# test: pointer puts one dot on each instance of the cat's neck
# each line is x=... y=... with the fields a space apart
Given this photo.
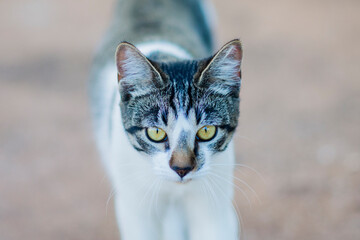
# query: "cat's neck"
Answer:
x=163 y=50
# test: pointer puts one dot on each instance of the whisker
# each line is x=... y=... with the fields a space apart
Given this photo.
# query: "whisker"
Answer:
x=112 y=193
x=157 y=198
x=235 y=186
x=235 y=208
x=244 y=166
x=211 y=194
x=238 y=215
x=152 y=197
x=249 y=187
x=146 y=193
x=221 y=191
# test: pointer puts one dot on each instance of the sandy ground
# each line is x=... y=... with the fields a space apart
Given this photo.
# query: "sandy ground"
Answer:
x=299 y=127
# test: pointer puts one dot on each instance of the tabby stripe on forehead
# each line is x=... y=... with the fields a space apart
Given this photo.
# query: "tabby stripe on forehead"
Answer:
x=164 y=116
x=190 y=99
x=198 y=115
x=171 y=101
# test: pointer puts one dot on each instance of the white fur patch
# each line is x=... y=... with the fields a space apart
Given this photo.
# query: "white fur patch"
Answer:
x=182 y=124
x=165 y=47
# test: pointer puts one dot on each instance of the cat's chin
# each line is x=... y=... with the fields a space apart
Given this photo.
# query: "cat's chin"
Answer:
x=183 y=181
x=178 y=181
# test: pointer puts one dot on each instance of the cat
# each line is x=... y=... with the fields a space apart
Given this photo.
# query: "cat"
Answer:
x=165 y=109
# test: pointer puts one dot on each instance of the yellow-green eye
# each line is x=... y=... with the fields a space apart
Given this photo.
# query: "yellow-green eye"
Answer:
x=156 y=134
x=206 y=133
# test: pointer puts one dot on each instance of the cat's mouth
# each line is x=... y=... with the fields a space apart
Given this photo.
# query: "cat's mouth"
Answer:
x=183 y=181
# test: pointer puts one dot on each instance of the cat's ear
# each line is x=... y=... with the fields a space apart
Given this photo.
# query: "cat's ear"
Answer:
x=223 y=74
x=136 y=74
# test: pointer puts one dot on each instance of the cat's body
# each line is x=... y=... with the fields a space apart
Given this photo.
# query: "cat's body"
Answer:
x=156 y=195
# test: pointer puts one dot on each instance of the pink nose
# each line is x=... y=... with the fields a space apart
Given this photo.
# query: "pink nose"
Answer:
x=182 y=171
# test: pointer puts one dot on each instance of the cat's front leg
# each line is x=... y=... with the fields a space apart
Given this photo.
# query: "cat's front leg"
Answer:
x=134 y=220
x=212 y=219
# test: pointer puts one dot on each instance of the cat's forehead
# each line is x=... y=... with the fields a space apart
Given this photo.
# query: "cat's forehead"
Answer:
x=180 y=70
x=180 y=76
x=181 y=121
x=181 y=98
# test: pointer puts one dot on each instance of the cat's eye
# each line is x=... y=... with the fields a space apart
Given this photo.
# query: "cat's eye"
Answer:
x=206 y=133
x=156 y=134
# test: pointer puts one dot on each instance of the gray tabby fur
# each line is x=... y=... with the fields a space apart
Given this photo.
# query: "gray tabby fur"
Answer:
x=181 y=22
x=179 y=95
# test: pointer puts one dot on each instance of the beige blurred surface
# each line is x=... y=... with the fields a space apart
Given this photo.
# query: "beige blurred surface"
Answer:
x=299 y=126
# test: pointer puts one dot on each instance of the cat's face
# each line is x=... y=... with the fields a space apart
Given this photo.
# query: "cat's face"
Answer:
x=179 y=114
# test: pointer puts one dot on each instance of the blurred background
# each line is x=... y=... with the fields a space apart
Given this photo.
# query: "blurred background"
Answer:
x=299 y=126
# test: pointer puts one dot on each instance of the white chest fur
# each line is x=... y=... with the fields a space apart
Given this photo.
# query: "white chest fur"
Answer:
x=149 y=208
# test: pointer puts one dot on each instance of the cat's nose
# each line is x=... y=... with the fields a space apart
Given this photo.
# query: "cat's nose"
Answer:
x=182 y=171
x=182 y=162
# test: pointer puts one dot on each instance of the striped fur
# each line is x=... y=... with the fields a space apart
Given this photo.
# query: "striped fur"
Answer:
x=164 y=76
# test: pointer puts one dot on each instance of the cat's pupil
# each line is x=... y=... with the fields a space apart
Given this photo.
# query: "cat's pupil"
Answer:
x=205 y=129
x=157 y=131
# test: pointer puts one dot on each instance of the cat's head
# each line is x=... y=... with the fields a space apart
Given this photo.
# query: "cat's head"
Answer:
x=179 y=115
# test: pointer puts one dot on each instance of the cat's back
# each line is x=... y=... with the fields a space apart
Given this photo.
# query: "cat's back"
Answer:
x=184 y=23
